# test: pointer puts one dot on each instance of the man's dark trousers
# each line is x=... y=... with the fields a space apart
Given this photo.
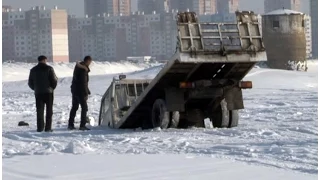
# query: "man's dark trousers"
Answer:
x=76 y=101
x=41 y=101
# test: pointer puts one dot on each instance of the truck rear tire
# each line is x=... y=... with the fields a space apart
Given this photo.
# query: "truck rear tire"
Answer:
x=160 y=114
x=196 y=118
x=224 y=118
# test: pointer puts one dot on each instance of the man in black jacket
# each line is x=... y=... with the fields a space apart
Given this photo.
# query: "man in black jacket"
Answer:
x=80 y=93
x=43 y=81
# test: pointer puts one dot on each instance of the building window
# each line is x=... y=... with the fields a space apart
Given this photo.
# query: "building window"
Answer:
x=276 y=24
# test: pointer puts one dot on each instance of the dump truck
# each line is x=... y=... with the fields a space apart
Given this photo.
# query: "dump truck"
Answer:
x=202 y=80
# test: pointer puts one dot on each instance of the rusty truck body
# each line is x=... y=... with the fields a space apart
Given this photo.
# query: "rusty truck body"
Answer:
x=203 y=79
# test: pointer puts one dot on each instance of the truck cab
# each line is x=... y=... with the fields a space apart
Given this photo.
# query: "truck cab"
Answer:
x=120 y=96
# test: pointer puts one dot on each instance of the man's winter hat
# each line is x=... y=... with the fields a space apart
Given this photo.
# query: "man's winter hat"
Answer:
x=87 y=58
x=41 y=58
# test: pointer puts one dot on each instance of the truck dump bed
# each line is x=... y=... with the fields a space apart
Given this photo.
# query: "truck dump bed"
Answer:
x=204 y=51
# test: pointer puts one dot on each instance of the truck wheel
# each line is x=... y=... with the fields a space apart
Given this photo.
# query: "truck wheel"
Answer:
x=175 y=118
x=160 y=114
x=195 y=118
x=222 y=117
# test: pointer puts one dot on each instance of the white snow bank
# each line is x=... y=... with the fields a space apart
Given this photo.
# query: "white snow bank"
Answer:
x=20 y=71
x=283 y=12
x=138 y=167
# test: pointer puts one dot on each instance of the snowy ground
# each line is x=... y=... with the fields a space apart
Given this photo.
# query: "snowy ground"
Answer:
x=277 y=137
x=137 y=167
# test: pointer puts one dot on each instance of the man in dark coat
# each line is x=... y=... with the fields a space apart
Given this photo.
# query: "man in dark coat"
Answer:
x=80 y=92
x=43 y=81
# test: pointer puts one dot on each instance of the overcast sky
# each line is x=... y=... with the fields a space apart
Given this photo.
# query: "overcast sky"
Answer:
x=76 y=7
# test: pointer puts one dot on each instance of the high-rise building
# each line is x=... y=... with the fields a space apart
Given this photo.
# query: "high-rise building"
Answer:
x=308 y=31
x=39 y=31
x=198 y=6
x=314 y=27
x=181 y=5
x=227 y=6
x=150 y=6
x=113 y=7
x=271 y=5
x=113 y=38
x=6 y=8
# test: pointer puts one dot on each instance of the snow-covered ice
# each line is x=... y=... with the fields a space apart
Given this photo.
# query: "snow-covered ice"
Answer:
x=277 y=137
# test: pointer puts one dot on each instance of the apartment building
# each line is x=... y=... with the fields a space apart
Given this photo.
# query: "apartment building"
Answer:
x=227 y=6
x=271 y=5
x=217 y=18
x=314 y=27
x=113 y=38
x=6 y=8
x=114 y=7
x=205 y=6
x=149 y=6
x=198 y=6
x=39 y=31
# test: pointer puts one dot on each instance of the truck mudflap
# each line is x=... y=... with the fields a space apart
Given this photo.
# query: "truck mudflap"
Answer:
x=234 y=98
